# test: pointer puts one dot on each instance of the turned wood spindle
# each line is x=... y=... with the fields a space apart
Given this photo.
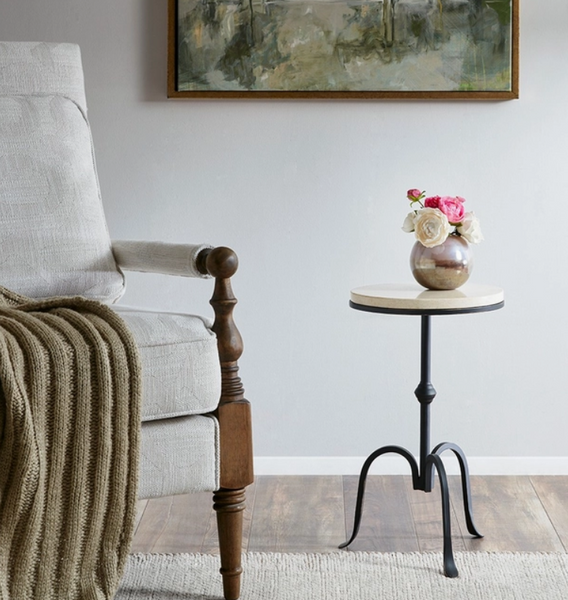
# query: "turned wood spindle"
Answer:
x=234 y=419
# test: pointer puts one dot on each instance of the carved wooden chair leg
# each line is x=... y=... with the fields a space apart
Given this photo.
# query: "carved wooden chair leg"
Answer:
x=229 y=505
x=233 y=414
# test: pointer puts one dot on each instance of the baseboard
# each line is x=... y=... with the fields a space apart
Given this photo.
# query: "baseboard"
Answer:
x=394 y=465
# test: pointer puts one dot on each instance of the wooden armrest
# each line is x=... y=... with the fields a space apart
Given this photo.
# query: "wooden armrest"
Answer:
x=220 y=262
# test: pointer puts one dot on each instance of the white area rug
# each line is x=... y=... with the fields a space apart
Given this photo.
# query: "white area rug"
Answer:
x=351 y=576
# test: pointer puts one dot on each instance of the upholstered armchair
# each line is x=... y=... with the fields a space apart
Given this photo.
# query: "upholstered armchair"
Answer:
x=196 y=429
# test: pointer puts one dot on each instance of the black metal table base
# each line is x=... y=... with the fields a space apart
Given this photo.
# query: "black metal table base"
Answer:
x=424 y=481
x=423 y=473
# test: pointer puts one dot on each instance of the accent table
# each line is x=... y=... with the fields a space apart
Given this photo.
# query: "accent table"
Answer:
x=411 y=299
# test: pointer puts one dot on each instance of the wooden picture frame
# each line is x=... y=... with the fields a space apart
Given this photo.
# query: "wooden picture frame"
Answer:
x=359 y=49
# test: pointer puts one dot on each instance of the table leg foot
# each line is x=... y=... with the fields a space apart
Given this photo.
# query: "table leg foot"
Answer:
x=433 y=460
x=466 y=491
x=363 y=480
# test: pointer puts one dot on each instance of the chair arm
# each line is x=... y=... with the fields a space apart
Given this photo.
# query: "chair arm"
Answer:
x=233 y=412
x=160 y=257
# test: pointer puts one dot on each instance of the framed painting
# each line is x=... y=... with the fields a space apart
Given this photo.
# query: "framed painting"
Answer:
x=343 y=48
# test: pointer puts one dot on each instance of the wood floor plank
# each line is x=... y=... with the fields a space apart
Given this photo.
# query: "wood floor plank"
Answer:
x=510 y=515
x=297 y=514
x=312 y=514
x=174 y=524
x=553 y=494
x=140 y=508
x=387 y=524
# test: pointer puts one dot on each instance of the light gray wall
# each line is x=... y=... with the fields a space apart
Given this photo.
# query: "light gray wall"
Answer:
x=311 y=195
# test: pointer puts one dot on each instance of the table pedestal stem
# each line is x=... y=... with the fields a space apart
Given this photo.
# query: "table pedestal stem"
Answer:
x=423 y=475
x=425 y=394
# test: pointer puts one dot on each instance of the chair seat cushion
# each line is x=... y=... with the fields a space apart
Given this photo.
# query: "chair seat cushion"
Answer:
x=180 y=364
x=179 y=456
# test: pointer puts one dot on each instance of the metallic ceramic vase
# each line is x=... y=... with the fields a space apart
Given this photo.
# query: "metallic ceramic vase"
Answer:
x=443 y=267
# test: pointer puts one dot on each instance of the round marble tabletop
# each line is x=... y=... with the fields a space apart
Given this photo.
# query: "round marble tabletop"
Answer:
x=414 y=299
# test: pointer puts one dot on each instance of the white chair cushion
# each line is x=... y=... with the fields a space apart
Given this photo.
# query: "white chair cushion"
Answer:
x=179 y=456
x=54 y=239
x=180 y=363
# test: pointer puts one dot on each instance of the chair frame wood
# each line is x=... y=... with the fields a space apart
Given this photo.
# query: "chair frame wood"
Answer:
x=234 y=416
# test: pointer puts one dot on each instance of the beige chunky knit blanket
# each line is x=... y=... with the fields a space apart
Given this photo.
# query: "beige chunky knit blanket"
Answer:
x=69 y=429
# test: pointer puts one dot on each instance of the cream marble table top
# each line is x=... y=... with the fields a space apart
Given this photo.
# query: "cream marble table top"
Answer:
x=412 y=298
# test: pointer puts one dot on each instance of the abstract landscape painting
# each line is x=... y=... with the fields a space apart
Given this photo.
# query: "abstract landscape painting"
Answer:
x=436 y=48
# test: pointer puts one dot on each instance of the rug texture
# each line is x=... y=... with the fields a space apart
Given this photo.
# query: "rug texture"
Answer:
x=69 y=429
x=350 y=576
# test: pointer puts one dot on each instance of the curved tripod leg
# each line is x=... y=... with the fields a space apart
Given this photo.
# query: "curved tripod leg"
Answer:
x=466 y=491
x=363 y=480
x=433 y=460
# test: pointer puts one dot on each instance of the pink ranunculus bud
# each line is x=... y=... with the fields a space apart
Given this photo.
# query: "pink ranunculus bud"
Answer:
x=432 y=202
x=452 y=207
x=414 y=195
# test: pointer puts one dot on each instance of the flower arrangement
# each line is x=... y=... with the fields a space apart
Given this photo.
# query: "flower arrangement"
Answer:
x=433 y=219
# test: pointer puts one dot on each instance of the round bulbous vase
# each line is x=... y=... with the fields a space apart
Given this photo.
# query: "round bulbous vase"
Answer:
x=443 y=267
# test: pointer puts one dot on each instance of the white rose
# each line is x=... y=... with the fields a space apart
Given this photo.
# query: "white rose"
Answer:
x=408 y=225
x=432 y=227
x=469 y=228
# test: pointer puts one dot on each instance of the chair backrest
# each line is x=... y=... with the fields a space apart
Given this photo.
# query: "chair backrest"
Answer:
x=53 y=235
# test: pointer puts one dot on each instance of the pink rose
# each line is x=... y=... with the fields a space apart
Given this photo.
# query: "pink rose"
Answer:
x=453 y=208
x=414 y=195
x=432 y=202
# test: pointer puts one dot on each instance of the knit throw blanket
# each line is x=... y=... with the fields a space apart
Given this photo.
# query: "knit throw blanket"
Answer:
x=69 y=433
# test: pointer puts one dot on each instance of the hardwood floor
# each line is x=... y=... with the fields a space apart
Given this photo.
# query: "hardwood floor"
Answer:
x=315 y=514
